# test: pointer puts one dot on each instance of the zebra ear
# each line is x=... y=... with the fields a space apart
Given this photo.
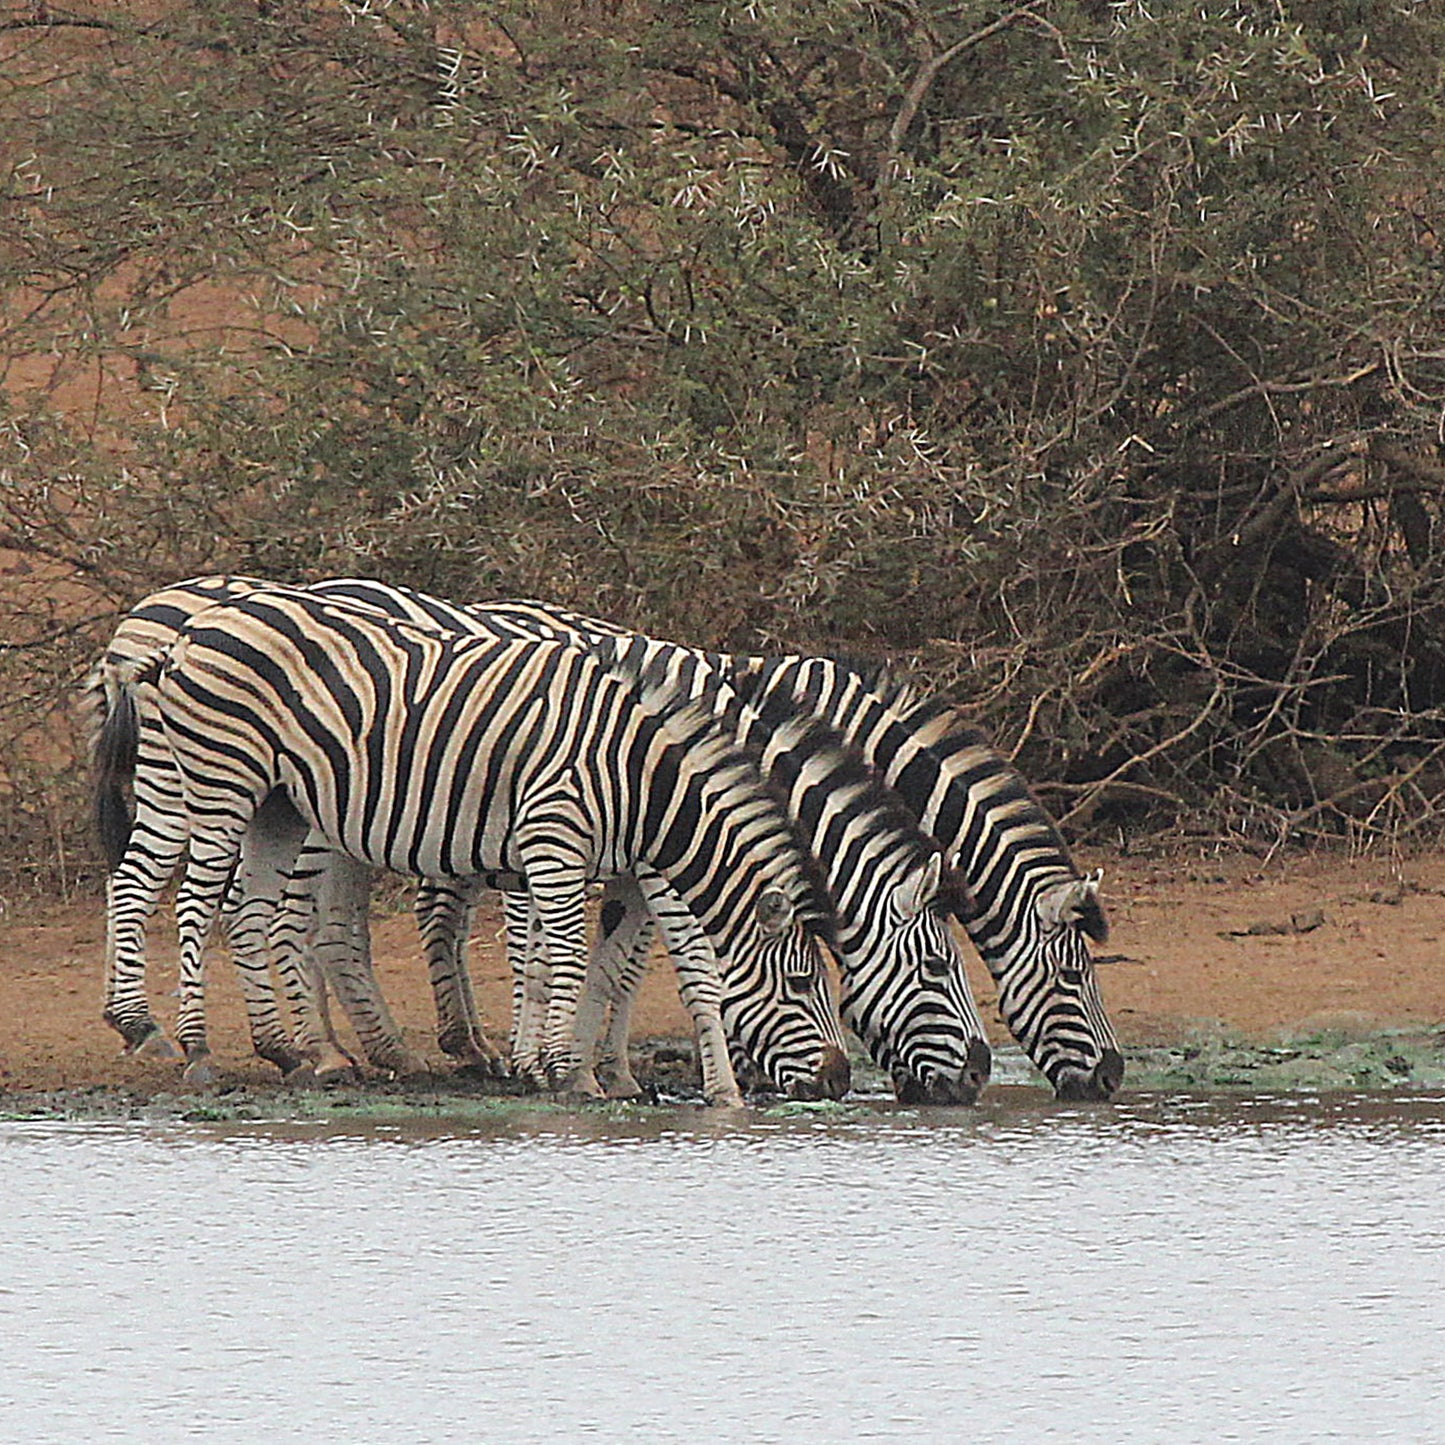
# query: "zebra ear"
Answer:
x=1075 y=904
x=914 y=894
x=774 y=911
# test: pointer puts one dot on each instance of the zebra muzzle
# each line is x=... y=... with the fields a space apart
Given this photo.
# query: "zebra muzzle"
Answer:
x=831 y=1079
x=961 y=1087
x=1100 y=1083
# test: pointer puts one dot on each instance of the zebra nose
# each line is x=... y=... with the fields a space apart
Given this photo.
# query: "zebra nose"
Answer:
x=967 y=1084
x=1073 y=1085
x=960 y=1087
x=980 y=1064
x=833 y=1076
x=1108 y=1074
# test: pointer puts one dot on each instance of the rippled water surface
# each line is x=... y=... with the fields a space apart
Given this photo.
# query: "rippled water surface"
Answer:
x=1167 y=1269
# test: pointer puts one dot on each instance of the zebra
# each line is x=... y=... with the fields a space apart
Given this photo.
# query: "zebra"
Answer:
x=527 y=761
x=905 y=989
x=1030 y=913
x=343 y=947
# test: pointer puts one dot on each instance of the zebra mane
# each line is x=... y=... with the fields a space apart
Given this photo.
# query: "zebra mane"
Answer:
x=703 y=723
x=854 y=786
x=944 y=730
x=940 y=726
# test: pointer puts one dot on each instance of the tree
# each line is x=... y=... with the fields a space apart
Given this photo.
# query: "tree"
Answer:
x=1084 y=357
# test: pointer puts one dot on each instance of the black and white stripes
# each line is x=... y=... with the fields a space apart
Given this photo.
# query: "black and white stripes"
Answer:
x=904 y=992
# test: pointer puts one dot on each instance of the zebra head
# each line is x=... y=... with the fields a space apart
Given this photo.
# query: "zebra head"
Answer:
x=1049 y=992
x=909 y=1000
x=741 y=866
x=903 y=987
x=778 y=1008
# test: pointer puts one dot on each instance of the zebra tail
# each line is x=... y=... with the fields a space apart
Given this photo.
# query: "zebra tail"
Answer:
x=116 y=747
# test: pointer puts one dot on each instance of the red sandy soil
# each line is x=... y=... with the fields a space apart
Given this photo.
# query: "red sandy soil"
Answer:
x=1208 y=943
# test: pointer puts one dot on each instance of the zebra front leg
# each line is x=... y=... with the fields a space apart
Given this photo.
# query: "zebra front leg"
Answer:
x=700 y=985
x=530 y=970
x=444 y=914
x=557 y=880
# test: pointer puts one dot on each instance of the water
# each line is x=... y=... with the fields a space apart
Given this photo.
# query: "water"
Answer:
x=1166 y=1269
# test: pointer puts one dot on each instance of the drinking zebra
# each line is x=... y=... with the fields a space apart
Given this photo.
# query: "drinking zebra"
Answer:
x=528 y=760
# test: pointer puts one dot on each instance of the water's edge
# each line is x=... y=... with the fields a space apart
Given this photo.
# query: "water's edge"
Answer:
x=1393 y=1060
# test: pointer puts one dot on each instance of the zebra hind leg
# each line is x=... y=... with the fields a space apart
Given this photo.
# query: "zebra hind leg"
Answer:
x=343 y=951
x=198 y=902
x=615 y=971
x=268 y=855
x=444 y=916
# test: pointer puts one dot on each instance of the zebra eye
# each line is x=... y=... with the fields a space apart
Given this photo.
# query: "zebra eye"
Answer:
x=936 y=966
x=1071 y=976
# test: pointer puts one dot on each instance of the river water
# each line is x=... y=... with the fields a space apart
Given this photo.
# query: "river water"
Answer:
x=1169 y=1268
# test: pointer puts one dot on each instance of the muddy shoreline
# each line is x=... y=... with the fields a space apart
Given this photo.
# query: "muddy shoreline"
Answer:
x=1393 y=1060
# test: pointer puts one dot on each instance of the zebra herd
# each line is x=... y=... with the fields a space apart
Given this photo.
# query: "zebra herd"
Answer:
x=277 y=744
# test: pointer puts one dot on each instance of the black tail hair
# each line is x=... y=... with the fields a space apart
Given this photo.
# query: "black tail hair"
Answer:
x=116 y=749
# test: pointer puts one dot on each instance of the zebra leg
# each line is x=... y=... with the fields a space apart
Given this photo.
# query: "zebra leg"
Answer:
x=700 y=985
x=291 y=939
x=555 y=866
x=268 y=850
x=157 y=842
x=320 y=935
x=614 y=972
x=128 y=908
x=198 y=901
x=342 y=950
x=444 y=916
x=527 y=956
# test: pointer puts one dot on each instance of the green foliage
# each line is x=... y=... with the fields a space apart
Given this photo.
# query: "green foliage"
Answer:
x=1086 y=353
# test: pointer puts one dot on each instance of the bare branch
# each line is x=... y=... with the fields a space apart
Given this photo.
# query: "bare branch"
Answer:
x=928 y=72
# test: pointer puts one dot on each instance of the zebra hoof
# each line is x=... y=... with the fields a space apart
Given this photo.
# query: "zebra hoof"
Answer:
x=580 y=1086
x=627 y=1088
x=199 y=1072
x=155 y=1046
x=482 y=1066
x=303 y=1076
x=725 y=1100
x=335 y=1068
x=405 y=1068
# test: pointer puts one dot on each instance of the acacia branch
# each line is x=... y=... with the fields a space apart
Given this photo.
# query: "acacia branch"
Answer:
x=928 y=72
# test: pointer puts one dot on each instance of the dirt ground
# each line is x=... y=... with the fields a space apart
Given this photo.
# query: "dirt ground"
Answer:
x=1203 y=945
